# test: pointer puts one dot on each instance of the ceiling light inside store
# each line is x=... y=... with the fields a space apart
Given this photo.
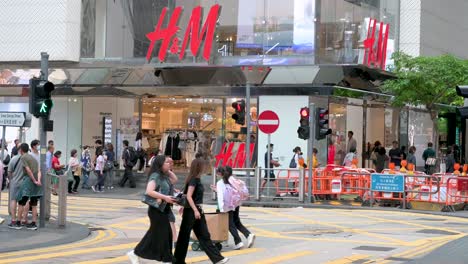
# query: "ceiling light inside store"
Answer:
x=75 y=100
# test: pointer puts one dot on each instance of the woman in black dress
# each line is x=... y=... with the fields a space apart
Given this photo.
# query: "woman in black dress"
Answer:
x=193 y=218
x=157 y=242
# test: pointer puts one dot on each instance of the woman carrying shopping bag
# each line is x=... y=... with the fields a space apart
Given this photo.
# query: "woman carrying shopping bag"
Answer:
x=230 y=192
x=194 y=218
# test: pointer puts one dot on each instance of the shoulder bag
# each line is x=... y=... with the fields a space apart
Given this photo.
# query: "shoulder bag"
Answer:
x=292 y=163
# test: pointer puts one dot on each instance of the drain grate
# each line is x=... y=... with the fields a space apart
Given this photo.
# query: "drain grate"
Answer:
x=430 y=219
x=456 y=224
x=436 y=232
x=398 y=259
x=96 y=228
x=372 y=248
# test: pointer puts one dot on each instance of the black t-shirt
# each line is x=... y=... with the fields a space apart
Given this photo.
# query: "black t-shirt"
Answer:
x=268 y=165
x=198 y=192
x=394 y=154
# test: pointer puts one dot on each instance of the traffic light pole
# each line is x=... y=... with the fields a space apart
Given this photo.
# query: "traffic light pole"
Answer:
x=310 y=148
x=247 y=141
x=43 y=145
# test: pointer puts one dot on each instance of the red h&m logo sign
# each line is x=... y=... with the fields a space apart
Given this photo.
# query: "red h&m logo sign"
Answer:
x=376 y=49
x=232 y=156
x=169 y=40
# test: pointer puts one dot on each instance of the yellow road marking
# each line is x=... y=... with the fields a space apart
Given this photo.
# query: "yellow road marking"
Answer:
x=416 y=251
x=225 y=254
x=269 y=234
x=284 y=257
x=101 y=236
x=70 y=253
x=348 y=259
x=345 y=229
x=187 y=260
x=104 y=261
x=408 y=223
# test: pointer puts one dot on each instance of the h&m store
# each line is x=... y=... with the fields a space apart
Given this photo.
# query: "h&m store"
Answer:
x=171 y=70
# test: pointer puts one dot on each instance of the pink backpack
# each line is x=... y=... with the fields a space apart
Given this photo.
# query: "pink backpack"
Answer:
x=232 y=198
x=240 y=186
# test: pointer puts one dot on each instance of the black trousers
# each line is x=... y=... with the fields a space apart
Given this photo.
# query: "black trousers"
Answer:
x=235 y=224
x=201 y=231
x=141 y=164
x=72 y=187
x=100 y=180
x=128 y=175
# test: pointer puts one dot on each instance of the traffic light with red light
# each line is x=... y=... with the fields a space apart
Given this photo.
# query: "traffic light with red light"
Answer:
x=321 y=124
x=40 y=101
x=239 y=112
x=303 y=131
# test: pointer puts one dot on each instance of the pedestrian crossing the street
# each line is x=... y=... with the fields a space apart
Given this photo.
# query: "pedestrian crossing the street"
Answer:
x=294 y=235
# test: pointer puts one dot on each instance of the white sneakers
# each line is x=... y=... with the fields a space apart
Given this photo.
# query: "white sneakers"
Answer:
x=133 y=258
x=224 y=260
x=239 y=246
x=250 y=240
x=2 y=220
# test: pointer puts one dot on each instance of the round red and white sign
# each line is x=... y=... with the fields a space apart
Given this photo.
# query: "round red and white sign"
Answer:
x=268 y=122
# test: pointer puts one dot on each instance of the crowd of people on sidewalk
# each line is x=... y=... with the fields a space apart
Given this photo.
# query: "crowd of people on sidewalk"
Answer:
x=21 y=173
x=160 y=195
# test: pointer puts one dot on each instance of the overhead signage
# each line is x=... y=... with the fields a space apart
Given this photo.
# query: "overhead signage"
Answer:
x=12 y=119
x=168 y=36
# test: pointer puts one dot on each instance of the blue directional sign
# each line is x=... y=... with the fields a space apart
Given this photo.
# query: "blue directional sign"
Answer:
x=387 y=183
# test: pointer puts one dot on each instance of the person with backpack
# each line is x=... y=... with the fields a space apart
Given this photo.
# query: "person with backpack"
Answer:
x=99 y=171
x=231 y=192
x=140 y=152
x=86 y=166
x=109 y=166
x=130 y=159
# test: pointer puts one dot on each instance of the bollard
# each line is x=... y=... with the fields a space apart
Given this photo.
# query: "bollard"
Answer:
x=47 y=194
x=62 y=202
x=301 y=185
x=257 y=183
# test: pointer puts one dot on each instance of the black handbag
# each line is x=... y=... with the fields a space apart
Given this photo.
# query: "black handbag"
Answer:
x=153 y=202
x=181 y=199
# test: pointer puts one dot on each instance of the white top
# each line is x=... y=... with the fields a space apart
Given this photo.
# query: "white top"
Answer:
x=220 y=189
x=100 y=163
x=74 y=164
x=296 y=159
x=138 y=144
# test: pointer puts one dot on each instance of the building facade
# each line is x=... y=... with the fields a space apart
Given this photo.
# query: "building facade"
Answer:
x=107 y=58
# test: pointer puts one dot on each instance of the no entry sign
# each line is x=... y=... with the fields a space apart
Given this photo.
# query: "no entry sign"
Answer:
x=268 y=122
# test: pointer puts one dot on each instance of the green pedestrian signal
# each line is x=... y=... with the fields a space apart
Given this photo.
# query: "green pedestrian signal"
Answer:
x=40 y=102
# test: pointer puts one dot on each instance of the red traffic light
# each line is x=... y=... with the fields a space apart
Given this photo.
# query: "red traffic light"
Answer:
x=304 y=112
x=323 y=112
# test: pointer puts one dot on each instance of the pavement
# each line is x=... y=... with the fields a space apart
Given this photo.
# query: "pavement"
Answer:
x=43 y=237
x=287 y=232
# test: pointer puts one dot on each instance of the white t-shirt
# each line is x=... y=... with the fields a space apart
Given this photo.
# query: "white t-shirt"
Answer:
x=100 y=163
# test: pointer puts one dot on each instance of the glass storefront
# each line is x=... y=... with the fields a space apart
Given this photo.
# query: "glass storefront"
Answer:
x=195 y=124
x=249 y=32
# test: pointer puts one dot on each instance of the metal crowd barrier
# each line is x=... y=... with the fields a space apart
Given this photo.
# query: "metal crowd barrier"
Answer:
x=62 y=193
x=288 y=183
